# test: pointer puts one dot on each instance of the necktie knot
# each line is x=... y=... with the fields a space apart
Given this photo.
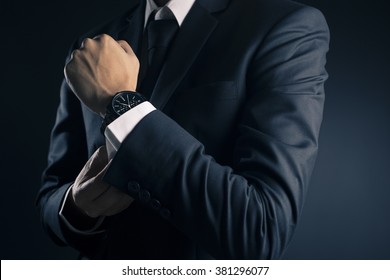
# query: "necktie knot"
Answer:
x=163 y=13
x=161 y=32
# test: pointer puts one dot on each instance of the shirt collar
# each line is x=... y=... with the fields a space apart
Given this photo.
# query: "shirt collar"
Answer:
x=179 y=8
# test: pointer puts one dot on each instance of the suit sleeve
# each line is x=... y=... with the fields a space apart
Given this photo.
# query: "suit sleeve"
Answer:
x=67 y=155
x=247 y=210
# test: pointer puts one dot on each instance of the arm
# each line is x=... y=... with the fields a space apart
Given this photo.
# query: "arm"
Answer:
x=67 y=155
x=76 y=192
x=248 y=209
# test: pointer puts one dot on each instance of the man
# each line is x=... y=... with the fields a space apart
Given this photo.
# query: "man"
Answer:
x=216 y=163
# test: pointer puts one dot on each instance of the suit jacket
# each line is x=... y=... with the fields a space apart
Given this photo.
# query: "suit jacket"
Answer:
x=222 y=168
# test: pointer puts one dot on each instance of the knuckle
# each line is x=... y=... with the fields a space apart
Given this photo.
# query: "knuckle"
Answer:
x=105 y=37
x=136 y=62
x=67 y=66
x=66 y=71
x=86 y=42
x=124 y=43
x=75 y=54
x=133 y=59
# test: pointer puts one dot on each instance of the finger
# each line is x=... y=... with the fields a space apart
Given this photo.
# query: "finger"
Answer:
x=86 y=43
x=109 y=203
x=86 y=193
x=97 y=162
x=71 y=66
x=92 y=174
x=95 y=185
x=74 y=53
x=97 y=37
x=100 y=157
x=109 y=196
x=102 y=37
x=119 y=206
x=125 y=46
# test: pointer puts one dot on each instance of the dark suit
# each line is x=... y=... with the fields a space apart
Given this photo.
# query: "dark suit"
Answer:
x=222 y=168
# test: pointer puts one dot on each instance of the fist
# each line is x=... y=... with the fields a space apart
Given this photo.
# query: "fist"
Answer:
x=99 y=69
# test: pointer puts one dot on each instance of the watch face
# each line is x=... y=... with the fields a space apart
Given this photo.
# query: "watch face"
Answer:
x=123 y=102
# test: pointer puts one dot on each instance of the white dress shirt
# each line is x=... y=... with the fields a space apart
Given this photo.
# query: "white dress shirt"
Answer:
x=117 y=131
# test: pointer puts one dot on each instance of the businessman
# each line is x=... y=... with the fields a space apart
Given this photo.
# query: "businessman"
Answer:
x=187 y=130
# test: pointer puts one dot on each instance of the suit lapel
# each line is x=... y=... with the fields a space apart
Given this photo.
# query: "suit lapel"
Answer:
x=193 y=34
x=191 y=37
x=134 y=26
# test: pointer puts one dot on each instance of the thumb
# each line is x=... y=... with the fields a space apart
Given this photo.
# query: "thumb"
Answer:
x=96 y=163
x=99 y=159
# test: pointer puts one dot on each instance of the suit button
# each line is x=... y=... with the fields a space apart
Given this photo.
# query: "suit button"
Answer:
x=165 y=213
x=155 y=204
x=144 y=196
x=133 y=187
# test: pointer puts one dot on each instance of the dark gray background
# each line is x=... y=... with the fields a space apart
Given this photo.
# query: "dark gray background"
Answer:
x=347 y=210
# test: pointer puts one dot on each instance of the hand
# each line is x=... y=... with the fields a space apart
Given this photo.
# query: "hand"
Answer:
x=94 y=197
x=101 y=68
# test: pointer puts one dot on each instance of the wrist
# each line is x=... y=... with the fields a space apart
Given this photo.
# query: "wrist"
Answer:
x=120 y=103
x=107 y=97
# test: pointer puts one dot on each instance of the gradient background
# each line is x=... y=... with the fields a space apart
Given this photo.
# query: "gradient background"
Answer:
x=347 y=213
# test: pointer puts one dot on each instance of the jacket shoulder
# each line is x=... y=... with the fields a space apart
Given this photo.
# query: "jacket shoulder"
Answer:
x=271 y=12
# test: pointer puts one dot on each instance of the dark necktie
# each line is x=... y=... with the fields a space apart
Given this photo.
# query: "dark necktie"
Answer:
x=158 y=36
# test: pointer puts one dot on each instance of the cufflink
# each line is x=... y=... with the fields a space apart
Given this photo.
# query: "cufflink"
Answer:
x=155 y=204
x=165 y=213
x=144 y=196
x=133 y=187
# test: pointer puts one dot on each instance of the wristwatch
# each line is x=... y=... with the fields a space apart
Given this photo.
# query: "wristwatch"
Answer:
x=122 y=102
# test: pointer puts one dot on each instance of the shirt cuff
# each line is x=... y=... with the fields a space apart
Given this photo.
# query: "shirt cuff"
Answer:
x=117 y=131
x=92 y=230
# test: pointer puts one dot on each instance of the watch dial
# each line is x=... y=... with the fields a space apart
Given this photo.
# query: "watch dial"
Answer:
x=124 y=102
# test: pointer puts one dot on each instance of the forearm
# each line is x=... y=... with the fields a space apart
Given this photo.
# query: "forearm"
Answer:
x=245 y=212
x=67 y=154
x=249 y=208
